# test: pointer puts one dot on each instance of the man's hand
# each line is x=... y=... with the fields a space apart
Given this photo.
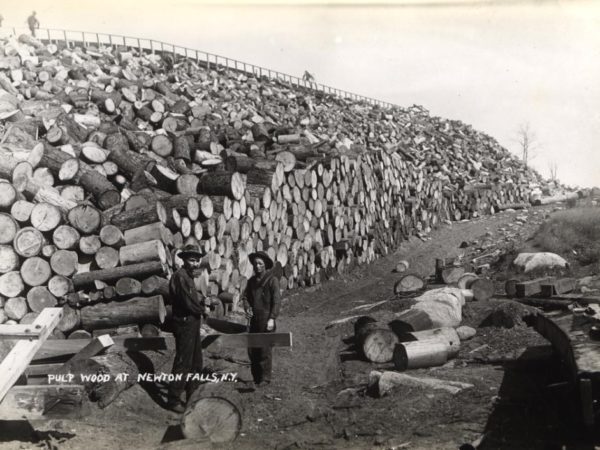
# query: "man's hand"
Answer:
x=271 y=325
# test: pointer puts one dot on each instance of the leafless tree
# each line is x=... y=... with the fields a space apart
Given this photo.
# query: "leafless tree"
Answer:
x=553 y=170
x=527 y=141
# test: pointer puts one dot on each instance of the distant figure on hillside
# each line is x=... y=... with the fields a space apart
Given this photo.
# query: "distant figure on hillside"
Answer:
x=1 y=19
x=309 y=77
x=33 y=23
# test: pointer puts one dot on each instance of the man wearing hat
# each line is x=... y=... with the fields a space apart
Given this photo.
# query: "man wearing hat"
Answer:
x=263 y=297
x=188 y=309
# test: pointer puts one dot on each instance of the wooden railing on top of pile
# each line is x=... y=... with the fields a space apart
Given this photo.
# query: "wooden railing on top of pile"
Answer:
x=85 y=38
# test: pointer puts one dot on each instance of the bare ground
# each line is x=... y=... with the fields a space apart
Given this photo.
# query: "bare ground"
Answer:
x=304 y=407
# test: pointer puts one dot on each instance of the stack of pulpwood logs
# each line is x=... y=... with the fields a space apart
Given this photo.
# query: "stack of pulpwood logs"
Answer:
x=111 y=161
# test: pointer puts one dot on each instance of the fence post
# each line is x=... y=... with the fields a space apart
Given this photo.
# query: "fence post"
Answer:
x=98 y=40
x=83 y=38
x=207 y=62
x=197 y=57
x=110 y=40
x=152 y=46
x=65 y=36
x=140 y=46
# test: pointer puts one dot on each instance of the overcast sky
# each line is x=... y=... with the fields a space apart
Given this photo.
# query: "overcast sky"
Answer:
x=494 y=65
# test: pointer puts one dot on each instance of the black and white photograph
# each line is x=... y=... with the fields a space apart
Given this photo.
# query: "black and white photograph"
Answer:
x=299 y=224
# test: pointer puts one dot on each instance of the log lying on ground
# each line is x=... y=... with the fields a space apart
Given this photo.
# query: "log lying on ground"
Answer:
x=374 y=340
x=137 y=310
x=382 y=383
x=103 y=383
x=420 y=354
x=214 y=411
x=446 y=335
x=409 y=284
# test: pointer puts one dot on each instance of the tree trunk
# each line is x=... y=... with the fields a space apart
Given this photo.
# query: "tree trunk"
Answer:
x=214 y=411
x=138 y=310
x=142 y=270
x=374 y=340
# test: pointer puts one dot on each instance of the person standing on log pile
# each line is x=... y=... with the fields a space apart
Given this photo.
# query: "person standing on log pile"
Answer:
x=262 y=301
x=33 y=23
x=188 y=309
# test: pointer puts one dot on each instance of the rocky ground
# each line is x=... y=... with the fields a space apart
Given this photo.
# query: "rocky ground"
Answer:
x=318 y=398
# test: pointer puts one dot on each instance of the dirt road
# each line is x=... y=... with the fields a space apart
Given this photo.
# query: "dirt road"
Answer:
x=305 y=407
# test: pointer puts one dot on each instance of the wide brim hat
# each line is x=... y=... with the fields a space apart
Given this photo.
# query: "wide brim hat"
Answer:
x=262 y=255
x=190 y=250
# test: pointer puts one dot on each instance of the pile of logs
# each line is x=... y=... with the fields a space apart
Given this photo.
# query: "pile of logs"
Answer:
x=112 y=160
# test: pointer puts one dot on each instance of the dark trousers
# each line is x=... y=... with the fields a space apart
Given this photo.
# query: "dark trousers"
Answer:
x=188 y=356
x=261 y=358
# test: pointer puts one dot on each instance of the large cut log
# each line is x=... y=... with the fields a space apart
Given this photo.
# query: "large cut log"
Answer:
x=230 y=184
x=149 y=232
x=374 y=340
x=447 y=335
x=214 y=411
x=9 y=259
x=99 y=375
x=8 y=228
x=129 y=162
x=142 y=252
x=42 y=194
x=137 y=310
x=85 y=218
x=142 y=270
x=100 y=187
x=409 y=284
x=135 y=218
x=382 y=383
x=420 y=354
x=45 y=217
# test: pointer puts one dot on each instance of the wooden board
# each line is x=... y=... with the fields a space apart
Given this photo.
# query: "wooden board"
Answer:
x=249 y=340
x=20 y=331
x=23 y=352
x=62 y=348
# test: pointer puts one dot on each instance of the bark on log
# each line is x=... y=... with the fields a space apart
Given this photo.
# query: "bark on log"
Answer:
x=104 y=191
x=230 y=184
x=142 y=270
x=137 y=310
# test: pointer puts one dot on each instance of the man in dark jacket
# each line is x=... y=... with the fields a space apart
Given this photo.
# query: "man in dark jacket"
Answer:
x=188 y=309
x=263 y=297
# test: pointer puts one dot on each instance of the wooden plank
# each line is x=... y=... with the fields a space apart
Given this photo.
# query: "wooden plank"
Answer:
x=37 y=370
x=531 y=287
x=558 y=287
x=61 y=348
x=95 y=346
x=249 y=340
x=43 y=402
x=28 y=331
x=23 y=352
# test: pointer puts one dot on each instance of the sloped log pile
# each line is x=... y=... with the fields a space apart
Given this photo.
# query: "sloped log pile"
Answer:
x=111 y=161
